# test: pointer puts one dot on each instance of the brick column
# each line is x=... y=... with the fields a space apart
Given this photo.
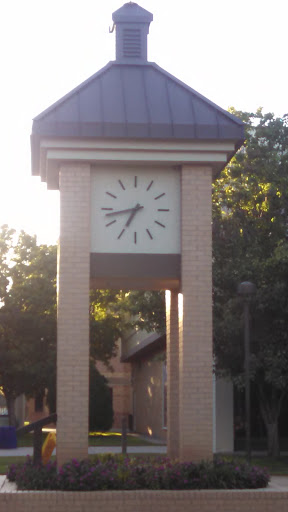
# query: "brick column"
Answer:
x=73 y=313
x=195 y=322
x=172 y=354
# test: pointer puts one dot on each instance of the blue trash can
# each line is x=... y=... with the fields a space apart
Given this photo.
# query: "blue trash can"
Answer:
x=8 y=438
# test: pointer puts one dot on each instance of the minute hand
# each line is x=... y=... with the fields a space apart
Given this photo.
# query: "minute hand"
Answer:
x=124 y=211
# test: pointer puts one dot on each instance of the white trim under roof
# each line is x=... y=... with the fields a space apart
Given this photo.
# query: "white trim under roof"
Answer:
x=129 y=151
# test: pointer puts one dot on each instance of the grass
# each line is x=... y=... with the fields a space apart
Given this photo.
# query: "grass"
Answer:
x=275 y=465
x=115 y=439
x=259 y=444
x=95 y=439
x=5 y=462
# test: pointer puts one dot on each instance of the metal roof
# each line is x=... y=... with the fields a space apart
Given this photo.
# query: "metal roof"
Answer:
x=136 y=101
x=134 y=98
x=131 y=13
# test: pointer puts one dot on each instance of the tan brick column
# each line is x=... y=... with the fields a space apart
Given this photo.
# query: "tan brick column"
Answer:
x=73 y=313
x=195 y=333
x=172 y=354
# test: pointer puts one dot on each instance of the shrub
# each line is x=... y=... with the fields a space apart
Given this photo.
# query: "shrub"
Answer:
x=112 y=472
x=30 y=476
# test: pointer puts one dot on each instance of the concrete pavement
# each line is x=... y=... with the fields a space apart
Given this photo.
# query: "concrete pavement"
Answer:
x=22 y=452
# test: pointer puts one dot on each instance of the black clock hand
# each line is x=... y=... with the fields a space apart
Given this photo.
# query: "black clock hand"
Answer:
x=122 y=211
x=133 y=213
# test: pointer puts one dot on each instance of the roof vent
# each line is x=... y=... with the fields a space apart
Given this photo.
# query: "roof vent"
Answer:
x=132 y=27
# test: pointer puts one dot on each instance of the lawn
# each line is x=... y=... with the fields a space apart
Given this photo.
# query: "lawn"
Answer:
x=5 y=462
x=95 y=439
x=275 y=465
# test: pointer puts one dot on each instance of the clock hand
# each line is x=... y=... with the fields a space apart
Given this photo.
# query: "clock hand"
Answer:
x=133 y=213
x=124 y=211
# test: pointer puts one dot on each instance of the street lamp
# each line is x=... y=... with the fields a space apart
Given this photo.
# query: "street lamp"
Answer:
x=246 y=290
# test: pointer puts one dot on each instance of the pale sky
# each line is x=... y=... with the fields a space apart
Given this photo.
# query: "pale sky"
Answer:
x=234 y=53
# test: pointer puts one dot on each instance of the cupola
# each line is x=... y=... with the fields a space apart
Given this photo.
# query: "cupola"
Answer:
x=132 y=27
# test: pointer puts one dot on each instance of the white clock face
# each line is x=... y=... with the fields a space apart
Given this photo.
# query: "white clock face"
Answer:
x=135 y=210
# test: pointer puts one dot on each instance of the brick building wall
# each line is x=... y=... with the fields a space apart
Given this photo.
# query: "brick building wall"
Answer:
x=119 y=380
x=148 y=389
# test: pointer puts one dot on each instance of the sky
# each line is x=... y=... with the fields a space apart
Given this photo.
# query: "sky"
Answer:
x=234 y=53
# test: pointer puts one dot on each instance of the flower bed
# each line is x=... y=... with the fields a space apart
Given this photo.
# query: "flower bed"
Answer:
x=102 y=473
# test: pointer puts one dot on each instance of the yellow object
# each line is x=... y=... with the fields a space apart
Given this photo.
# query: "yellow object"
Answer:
x=48 y=447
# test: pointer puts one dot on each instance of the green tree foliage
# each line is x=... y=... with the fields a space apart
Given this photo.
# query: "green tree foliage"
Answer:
x=144 y=310
x=28 y=320
x=250 y=230
x=107 y=321
x=27 y=316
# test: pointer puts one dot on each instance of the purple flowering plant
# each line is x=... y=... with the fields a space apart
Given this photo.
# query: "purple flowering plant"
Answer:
x=116 y=472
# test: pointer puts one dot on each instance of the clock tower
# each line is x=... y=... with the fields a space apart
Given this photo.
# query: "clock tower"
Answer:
x=133 y=151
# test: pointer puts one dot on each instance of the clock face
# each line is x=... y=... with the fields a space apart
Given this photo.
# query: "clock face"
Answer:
x=135 y=210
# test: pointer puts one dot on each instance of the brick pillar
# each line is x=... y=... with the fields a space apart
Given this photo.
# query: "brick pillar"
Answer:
x=195 y=322
x=172 y=354
x=73 y=313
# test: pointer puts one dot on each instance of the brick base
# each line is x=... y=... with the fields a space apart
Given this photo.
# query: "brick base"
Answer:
x=145 y=501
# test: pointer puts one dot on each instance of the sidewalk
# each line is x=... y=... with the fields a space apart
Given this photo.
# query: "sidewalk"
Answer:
x=91 y=450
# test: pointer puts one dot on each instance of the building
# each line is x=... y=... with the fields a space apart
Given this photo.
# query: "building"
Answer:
x=139 y=388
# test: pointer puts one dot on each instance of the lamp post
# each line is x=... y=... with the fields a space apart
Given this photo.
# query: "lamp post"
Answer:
x=246 y=290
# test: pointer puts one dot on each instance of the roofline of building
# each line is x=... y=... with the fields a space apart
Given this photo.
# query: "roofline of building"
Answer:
x=153 y=341
x=146 y=64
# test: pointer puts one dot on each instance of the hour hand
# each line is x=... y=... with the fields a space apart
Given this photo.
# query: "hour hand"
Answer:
x=133 y=213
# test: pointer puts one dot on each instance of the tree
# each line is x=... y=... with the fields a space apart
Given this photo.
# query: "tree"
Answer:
x=28 y=320
x=143 y=310
x=250 y=228
x=27 y=316
x=107 y=321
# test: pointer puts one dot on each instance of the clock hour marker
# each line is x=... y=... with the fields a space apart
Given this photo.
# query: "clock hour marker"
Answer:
x=150 y=185
x=135 y=182
x=163 y=210
x=121 y=184
x=111 y=195
x=135 y=237
x=106 y=208
x=121 y=234
x=109 y=223
x=161 y=195
x=159 y=224
x=149 y=234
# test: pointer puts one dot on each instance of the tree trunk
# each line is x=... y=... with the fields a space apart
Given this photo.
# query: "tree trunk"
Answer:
x=273 y=439
x=10 y=401
x=270 y=408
